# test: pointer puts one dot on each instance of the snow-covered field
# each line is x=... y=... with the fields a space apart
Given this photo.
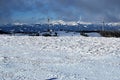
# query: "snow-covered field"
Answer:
x=59 y=58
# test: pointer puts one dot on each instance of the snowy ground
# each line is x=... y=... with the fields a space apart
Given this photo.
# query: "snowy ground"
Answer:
x=59 y=58
x=63 y=33
x=93 y=34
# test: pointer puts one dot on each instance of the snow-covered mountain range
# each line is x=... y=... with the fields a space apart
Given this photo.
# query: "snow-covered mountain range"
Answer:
x=59 y=26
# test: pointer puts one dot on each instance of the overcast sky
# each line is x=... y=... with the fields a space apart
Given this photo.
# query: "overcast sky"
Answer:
x=31 y=11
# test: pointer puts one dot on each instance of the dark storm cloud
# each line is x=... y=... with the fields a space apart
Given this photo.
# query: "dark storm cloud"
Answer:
x=108 y=9
x=8 y=7
x=89 y=10
x=4 y=11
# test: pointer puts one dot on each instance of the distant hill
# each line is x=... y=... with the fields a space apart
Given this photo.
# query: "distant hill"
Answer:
x=3 y=32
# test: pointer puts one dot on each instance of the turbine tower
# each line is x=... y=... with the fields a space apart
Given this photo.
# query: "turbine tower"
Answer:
x=80 y=18
x=48 y=20
x=103 y=25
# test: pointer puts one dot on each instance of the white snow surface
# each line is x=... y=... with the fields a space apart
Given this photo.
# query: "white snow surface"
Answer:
x=93 y=34
x=59 y=58
x=63 y=33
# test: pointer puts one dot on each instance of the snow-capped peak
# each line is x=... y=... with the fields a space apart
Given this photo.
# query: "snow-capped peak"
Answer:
x=17 y=23
x=68 y=22
x=54 y=22
x=58 y=22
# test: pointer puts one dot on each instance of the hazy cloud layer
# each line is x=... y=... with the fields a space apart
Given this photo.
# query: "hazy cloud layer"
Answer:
x=89 y=10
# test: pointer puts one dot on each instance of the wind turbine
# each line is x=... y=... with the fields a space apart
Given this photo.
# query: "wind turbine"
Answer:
x=103 y=25
x=79 y=22
x=48 y=20
x=80 y=18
